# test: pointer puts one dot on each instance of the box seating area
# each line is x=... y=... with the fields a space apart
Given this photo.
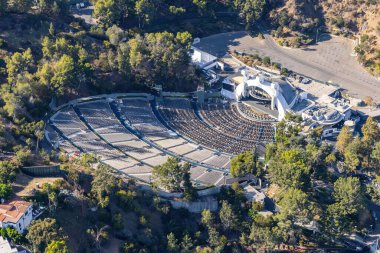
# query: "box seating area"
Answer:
x=226 y=118
x=140 y=115
x=231 y=134
x=249 y=112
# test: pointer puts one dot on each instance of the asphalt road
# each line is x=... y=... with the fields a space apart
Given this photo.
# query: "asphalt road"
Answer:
x=329 y=60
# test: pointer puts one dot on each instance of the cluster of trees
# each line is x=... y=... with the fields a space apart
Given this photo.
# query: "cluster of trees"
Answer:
x=117 y=12
x=295 y=163
x=30 y=86
x=46 y=236
x=359 y=153
x=300 y=169
x=246 y=163
x=53 y=8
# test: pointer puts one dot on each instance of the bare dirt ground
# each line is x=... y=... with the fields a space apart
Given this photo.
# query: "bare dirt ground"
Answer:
x=329 y=60
x=24 y=184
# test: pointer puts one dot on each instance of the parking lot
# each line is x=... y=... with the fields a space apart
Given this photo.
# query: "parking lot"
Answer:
x=330 y=60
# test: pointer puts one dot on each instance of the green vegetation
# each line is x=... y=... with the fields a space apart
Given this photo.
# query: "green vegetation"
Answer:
x=48 y=57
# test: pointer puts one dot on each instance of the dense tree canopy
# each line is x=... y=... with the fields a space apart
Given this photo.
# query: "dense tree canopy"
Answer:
x=342 y=215
x=242 y=164
x=162 y=58
x=42 y=232
x=289 y=169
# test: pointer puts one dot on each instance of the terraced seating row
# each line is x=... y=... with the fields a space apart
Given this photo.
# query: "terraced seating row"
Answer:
x=179 y=115
x=146 y=122
x=226 y=118
x=145 y=156
x=81 y=136
x=53 y=137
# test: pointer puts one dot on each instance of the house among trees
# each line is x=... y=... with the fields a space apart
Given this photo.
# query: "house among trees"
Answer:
x=17 y=214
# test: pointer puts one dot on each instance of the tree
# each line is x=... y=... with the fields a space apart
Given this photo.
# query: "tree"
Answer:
x=227 y=216
x=170 y=175
x=289 y=169
x=207 y=218
x=294 y=207
x=8 y=172
x=201 y=5
x=40 y=136
x=371 y=132
x=53 y=201
x=64 y=74
x=176 y=10
x=145 y=11
x=189 y=193
x=115 y=35
x=51 y=30
x=57 y=247
x=343 y=214
x=368 y=100
x=187 y=243
x=103 y=185
x=216 y=240
x=162 y=58
x=375 y=156
x=98 y=235
x=111 y=12
x=172 y=243
x=330 y=159
x=13 y=235
x=42 y=232
x=250 y=10
x=262 y=235
x=20 y=6
x=343 y=139
x=352 y=154
x=5 y=190
x=242 y=164
x=18 y=64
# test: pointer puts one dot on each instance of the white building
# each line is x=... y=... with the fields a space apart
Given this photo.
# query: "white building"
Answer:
x=17 y=214
x=280 y=94
x=201 y=58
x=5 y=247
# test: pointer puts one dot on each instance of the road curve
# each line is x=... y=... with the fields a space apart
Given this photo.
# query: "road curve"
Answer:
x=329 y=60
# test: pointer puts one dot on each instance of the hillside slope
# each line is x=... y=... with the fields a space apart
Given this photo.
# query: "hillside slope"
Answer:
x=298 y=22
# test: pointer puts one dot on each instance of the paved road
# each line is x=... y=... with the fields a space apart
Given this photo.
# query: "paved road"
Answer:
x=329 y=60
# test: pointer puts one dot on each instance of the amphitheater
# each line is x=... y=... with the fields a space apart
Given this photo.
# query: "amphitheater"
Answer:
x=132 y=133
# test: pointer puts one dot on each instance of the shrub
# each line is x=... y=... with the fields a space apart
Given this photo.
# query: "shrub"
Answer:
x=3 y=43
x=266 y=61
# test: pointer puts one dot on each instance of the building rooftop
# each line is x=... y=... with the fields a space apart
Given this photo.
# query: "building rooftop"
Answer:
x=315 y=89
x=302 y=105
x=12 y=211
x=288 y=91
x=254 y=195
